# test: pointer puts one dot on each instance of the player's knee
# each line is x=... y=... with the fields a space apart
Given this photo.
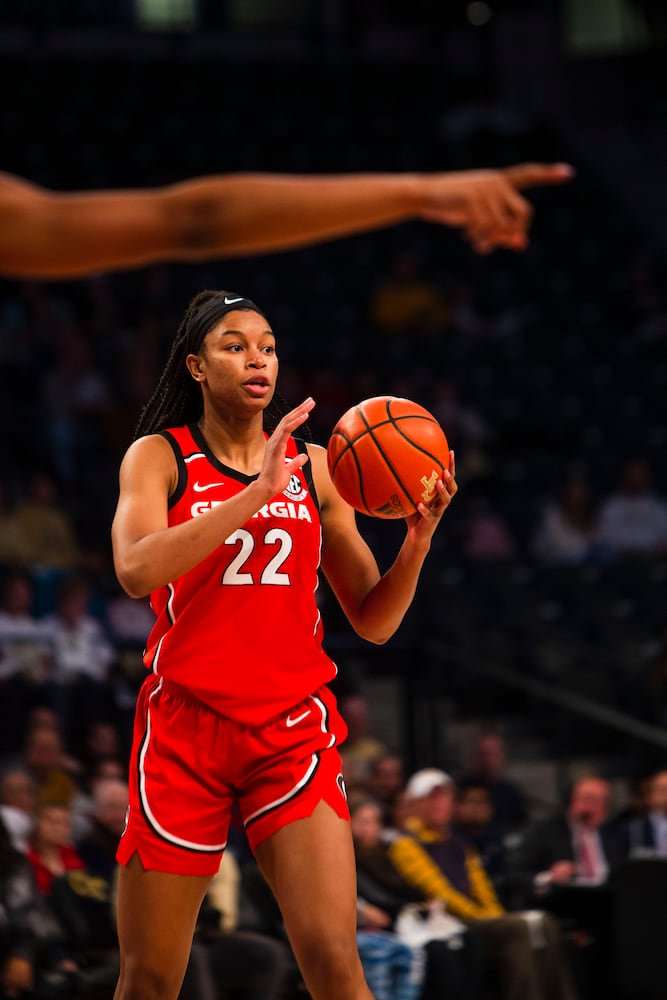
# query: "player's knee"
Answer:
x=144 y=980
x=331 y=962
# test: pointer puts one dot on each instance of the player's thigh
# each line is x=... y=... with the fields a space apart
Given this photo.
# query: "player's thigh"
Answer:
x=157 y=913
x=310 y=867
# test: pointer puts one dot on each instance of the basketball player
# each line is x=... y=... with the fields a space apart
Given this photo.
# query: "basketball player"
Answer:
x=47 y=234
x=224 y=526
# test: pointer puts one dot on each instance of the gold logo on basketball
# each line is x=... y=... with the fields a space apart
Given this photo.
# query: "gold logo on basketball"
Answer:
x=429 y=486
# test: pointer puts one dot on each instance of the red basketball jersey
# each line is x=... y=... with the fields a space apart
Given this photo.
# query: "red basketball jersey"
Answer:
x=241 y=630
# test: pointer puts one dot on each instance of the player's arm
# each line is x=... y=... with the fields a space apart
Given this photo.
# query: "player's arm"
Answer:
x=148 y=552
x=48 y=234
x=374 y=605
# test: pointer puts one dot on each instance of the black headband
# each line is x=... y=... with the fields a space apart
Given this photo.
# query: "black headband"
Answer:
x=211 y=313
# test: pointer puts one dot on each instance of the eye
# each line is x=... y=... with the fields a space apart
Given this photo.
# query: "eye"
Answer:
x=234 y=347
x=269 y=349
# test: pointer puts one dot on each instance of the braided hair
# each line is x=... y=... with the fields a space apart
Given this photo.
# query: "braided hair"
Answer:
x=177 y=398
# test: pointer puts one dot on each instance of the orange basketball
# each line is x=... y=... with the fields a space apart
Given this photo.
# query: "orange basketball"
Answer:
x=385 y=455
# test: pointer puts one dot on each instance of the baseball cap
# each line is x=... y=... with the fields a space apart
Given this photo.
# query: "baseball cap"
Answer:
x=423 y=782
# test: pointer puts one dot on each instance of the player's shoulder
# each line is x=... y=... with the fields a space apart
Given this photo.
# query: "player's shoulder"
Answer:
x=149 y=451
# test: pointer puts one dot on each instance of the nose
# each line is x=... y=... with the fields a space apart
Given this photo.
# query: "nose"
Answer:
x=256 y=360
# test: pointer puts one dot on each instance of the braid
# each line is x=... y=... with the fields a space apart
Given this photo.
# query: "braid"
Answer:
x=177 y=397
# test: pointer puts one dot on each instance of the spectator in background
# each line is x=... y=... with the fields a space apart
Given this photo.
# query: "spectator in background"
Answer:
x=98 y=848
x=486 y=536
x=564 y=863
x=633 y=520
x=574 y=845
x=648 y=834
x=76 y=396
x=17 y=804
x=525 y=953
x=44 y=758
x=46 y=533
x=51 y=852
x=24 y=658
x=568 y=529
x=474 y=823
x=385 y=782
x=82 y=657
x=384 y=892
x=20 y=912
x=489 y=759
x=361 y=747
x=405 y=302
x=10 y=545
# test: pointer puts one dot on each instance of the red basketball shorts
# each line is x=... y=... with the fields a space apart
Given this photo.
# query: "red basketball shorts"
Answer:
x=189 y=765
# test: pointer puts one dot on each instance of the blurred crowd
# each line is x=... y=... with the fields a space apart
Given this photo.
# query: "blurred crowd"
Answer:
x=466 y=890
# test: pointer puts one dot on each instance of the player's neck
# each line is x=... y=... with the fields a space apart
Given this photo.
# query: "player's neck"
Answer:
x=239 y=444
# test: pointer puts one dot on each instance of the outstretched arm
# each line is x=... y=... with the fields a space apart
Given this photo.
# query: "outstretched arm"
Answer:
x=48 y=234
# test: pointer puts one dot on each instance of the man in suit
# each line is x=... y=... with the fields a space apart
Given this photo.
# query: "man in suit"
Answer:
x=648 y=834
x=562 y=864
x=574 y=847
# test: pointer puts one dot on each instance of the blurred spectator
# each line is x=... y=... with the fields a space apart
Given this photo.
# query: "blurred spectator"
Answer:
x=574 y=845
x=24 y=657
x=453 y=967
x=98 y=848
x=485 y=533
x=568 y=530
x=43 y=756
x=385 y=782
x=564 y=863
x=129 y=619
x=489 y=759
x=525 y=951
x=82 y=805
x=51 y=852
x=17 y=804
x=76 y=899
x=474 y=823
x=10 y=541
x=82 y=657
x=76 y=396
x=46 y=535
x=360 y=748
x=463 y=425
x=648 y=834
x=406 y=302
x=30 y=939
x=633 y=521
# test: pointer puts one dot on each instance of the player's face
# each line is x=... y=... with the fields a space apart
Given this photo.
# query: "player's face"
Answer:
x=238 y=361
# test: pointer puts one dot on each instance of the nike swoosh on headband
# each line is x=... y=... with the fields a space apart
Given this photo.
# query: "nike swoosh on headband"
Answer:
x=229 y=302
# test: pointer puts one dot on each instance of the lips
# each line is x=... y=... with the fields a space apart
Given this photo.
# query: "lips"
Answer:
x=257 y=386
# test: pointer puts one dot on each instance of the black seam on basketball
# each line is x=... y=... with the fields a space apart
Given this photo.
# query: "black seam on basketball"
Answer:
x=358 y=465
x=369 y=430
x=414 y=444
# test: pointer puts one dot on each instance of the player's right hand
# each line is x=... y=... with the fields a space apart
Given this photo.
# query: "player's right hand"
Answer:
x=277 y=469
x=486 y=204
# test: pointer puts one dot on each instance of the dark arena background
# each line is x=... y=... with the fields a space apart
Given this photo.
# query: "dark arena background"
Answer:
x=540 y=614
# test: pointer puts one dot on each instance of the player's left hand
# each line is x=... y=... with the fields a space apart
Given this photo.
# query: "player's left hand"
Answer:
x=425 y=520
x=486 y=204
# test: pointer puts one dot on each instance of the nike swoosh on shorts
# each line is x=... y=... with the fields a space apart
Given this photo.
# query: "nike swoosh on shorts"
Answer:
x=289 y=721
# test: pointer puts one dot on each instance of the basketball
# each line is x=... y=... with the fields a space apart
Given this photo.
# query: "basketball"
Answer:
x=385 y=456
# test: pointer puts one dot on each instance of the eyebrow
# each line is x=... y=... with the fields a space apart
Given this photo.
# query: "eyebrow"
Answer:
x=241 y=333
